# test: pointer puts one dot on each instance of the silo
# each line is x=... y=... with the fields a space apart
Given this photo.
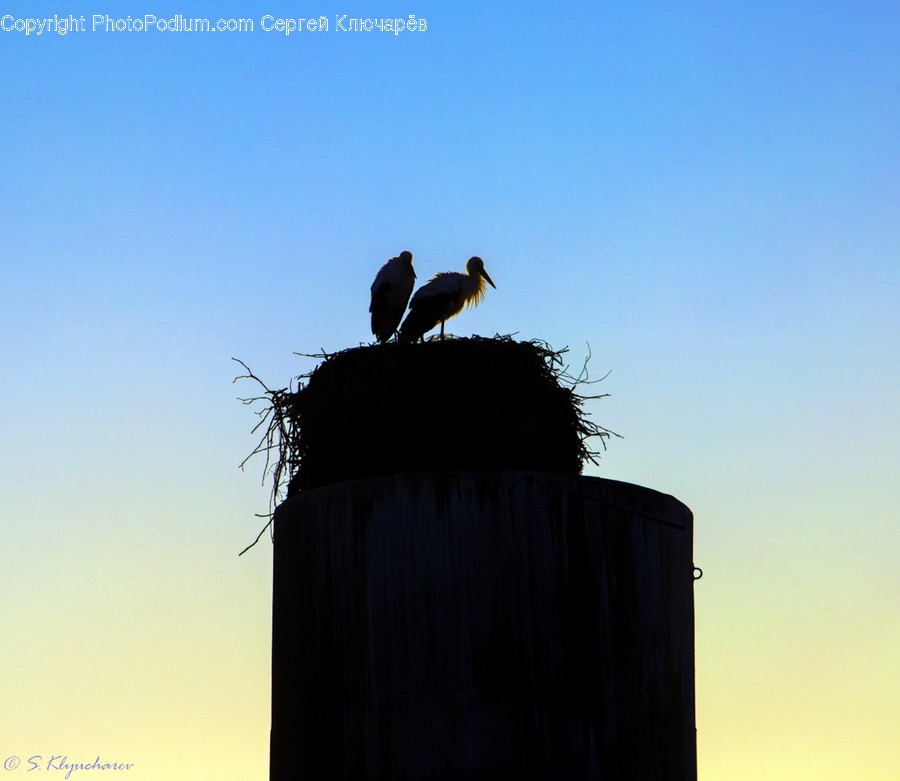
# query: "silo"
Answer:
x=496 y=622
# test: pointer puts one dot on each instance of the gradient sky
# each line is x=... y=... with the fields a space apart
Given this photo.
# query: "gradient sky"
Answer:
x=707 y=194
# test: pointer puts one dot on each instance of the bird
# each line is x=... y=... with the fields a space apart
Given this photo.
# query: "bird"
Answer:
x=443 y=297
x=390 y=294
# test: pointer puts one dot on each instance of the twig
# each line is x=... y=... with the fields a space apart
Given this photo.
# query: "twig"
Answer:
x=271 y=517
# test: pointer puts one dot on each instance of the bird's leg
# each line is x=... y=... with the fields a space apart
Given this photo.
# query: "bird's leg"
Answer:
x=442 y=330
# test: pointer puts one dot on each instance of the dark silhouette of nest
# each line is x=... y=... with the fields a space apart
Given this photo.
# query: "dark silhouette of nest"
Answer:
x=455 y=405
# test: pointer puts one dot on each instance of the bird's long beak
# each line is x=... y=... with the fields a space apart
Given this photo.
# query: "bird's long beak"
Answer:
x=485 y=275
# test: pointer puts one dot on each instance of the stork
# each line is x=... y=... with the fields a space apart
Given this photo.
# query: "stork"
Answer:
x=390 y=294
x=444 y=297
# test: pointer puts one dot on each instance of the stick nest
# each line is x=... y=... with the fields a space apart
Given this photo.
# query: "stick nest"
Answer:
x=457 y=405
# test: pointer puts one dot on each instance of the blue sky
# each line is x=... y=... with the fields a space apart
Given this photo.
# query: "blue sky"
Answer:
x=707 y=195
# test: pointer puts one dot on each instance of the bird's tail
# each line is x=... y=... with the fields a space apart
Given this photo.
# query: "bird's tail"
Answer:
x=415 y=326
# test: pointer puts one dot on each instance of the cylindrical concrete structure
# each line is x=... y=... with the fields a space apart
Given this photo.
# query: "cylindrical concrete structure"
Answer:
x=483 y=625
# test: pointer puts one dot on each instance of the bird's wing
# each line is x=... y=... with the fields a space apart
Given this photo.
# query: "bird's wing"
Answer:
x=381 y=286
x=379 y=296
